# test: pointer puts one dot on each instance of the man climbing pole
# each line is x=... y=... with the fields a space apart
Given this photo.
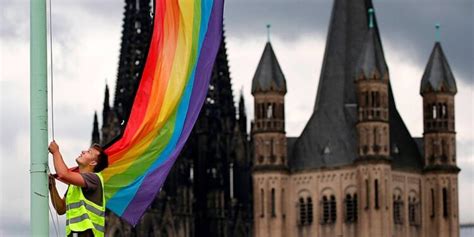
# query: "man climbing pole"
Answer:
x=84 y=202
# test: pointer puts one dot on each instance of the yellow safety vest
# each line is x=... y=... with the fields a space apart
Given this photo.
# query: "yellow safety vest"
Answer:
x=82 y=214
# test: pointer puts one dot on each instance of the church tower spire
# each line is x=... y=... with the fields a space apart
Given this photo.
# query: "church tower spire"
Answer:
x=438 y=88
x=95 y=130
x=372 y=92
x=136 y=33
x=269 y=89
x=269 y=141
x=373 y=139
x=106 y=105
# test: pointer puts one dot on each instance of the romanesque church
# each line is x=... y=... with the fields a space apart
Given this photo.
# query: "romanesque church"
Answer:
x=355 y=170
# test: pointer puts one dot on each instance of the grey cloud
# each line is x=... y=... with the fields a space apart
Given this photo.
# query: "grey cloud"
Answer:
x=408 y=25
x=14 y=120
x=107 y=10
x=290 y=20
x=14 y=18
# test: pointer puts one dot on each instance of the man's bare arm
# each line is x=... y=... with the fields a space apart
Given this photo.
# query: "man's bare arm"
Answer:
x=62 y=170
x=58 y=203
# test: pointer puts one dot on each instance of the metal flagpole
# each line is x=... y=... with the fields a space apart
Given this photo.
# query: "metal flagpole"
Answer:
x=38 y=120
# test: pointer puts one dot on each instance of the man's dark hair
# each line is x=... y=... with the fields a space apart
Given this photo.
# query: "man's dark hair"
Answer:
x=103 y=159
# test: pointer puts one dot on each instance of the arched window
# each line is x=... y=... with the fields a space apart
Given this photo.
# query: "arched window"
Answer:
x=366 y=99
x=328 y=211
x=376 y=190
x=372 y=97
x=269 y=111
x=444 y=111
x=333 y=209
x=309 y=209
x=348 y=202
x=397 y=209
x=440 y=114
x=432 y=204
x=434 y=111
x=262 y=203
x=413 y=211
x=351 y=208
x=302 y=207
x=325 y=204
x=305 y=211
x=445 y=202
x=283 y=213
x=273 y=203
x=367 y=194
x=377 y=99
x=356 y=207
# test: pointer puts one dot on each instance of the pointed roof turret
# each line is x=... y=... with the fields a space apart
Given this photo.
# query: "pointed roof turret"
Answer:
x=438 y=76
x=95 y=130
x=269 y=76
x=242 y=114
x=372 y=61
x=106 y=110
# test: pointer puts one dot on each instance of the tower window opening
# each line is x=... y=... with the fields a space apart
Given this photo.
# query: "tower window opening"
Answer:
x=432 y=204
x=326 y=213
x=273 y=203
x=333 y=209
x=397 y=209
x=445 y=202
x=443 y=111
x=262 y=204
x=309 y=211
x=412 y=211
x=302 y=207
x=367 y=194
x=351 y=208
x=376 y=190
x=283 y=202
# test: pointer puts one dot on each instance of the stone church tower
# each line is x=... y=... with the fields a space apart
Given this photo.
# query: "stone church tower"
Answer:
x=355 y=170
x=208 y=192
x=373 y=147
x=438 y=88
x=270 y=169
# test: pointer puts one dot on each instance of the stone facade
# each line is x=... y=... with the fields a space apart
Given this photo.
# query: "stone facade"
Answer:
x=388 y=203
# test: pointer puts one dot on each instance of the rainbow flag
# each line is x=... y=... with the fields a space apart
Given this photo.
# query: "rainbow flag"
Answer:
x=184 y=44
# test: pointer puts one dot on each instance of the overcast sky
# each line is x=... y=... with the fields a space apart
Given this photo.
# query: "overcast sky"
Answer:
x=86 y=46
